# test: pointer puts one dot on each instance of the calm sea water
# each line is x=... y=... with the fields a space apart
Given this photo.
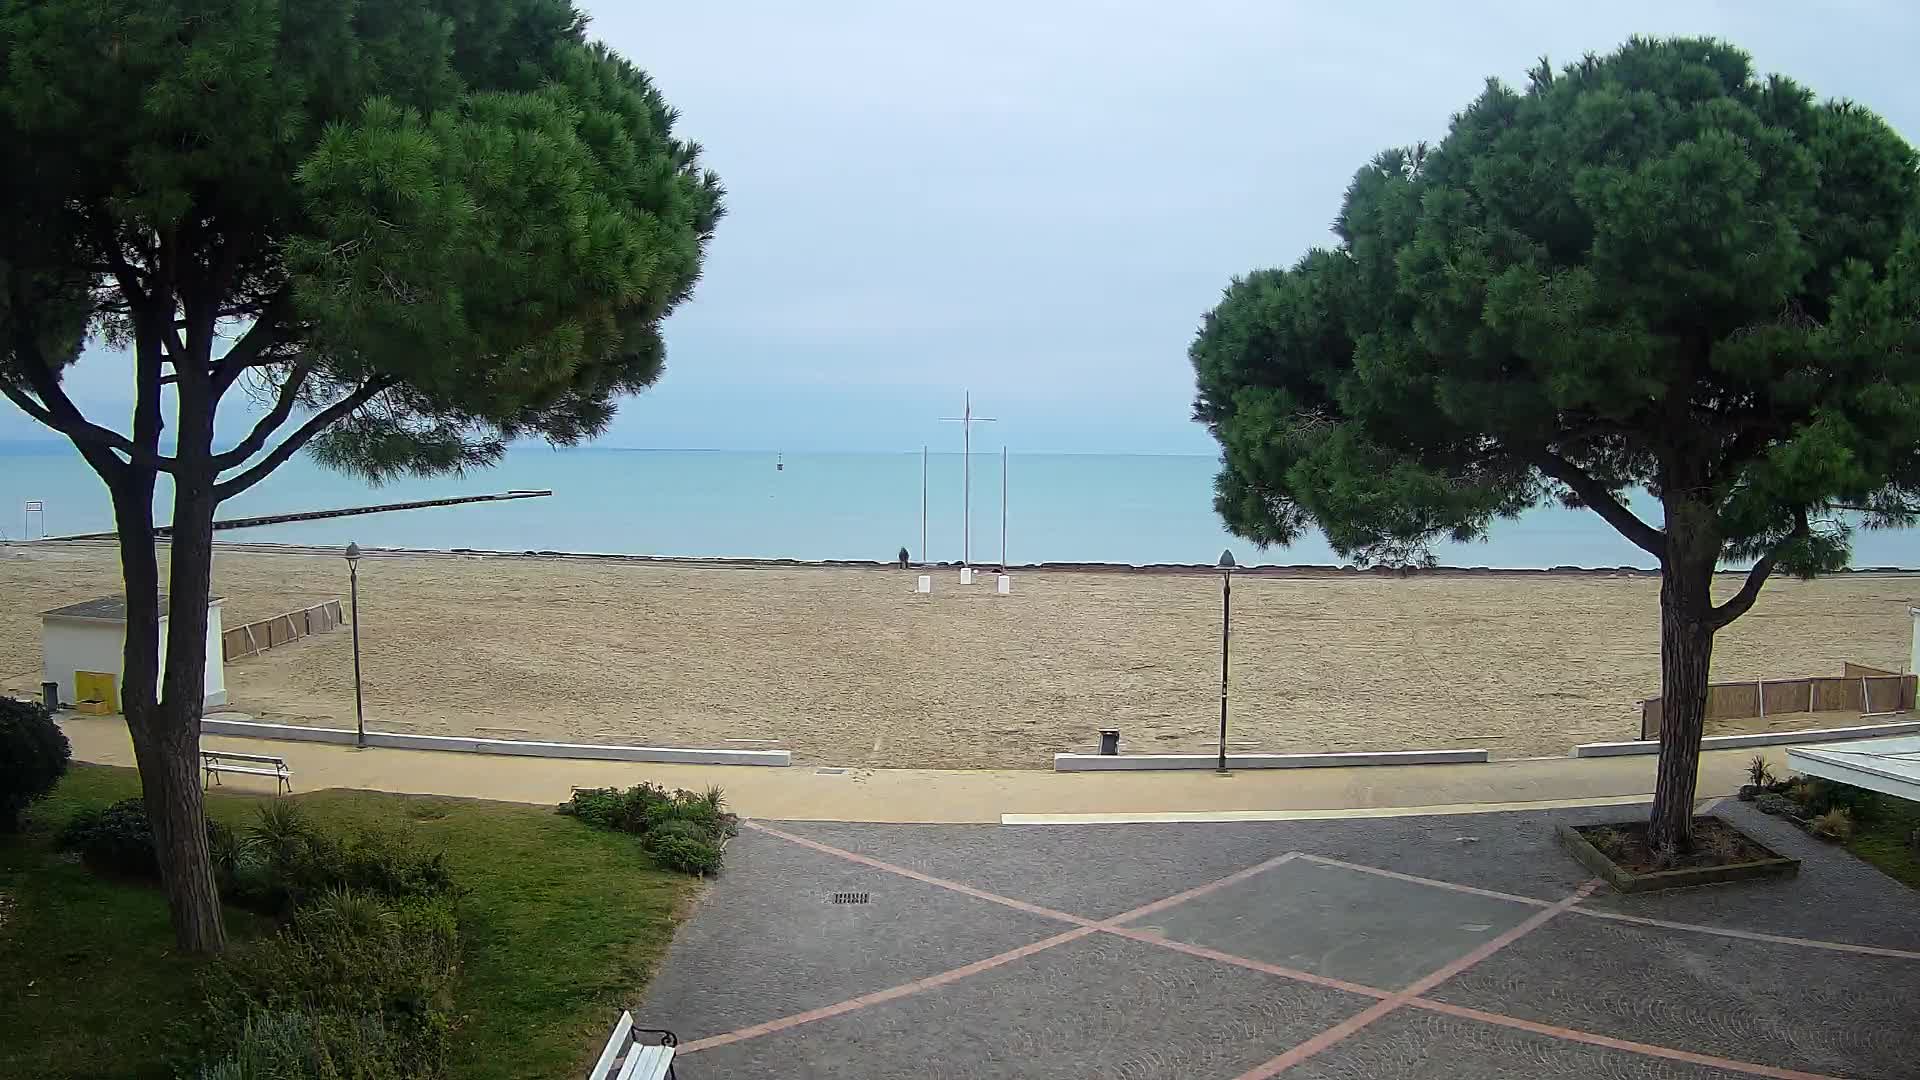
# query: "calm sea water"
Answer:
x=1060 y=507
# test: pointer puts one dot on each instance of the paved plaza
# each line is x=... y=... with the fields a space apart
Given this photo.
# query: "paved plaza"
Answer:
x=1415 y=947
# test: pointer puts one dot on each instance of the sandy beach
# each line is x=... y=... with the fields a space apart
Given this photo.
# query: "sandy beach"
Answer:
x=848 y=667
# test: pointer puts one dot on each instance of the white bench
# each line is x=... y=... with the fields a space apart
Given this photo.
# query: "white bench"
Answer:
x=627 y=1058
x=215 y=762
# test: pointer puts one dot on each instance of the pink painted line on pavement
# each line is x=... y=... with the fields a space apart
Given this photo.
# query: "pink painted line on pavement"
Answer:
x=901 y=871
x=1628 y=1045
x=1488 y=948
x=1248 y=962
x=1388 y=1000
x=1751 y=935
x=1353 y=1024
x=890 y=994
x=1433 y=882
x=1697 y=928
x=1085 y=928
x=1202 y=890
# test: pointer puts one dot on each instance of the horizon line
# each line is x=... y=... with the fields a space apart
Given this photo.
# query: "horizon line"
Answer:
x=63 y=443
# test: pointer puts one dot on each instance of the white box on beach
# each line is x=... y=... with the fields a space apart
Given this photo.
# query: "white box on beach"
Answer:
x=966 y=575
x=923 y=584
x=1004 y=585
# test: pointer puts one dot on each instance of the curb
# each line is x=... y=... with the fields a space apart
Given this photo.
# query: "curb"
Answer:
x=1736 y=742
x=244 y=729
x=1150 y=762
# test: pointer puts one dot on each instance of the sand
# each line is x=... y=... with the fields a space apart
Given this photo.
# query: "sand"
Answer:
x=847 y=667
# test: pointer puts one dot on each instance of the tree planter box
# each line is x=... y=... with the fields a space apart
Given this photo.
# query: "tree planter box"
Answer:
x=1773 y=865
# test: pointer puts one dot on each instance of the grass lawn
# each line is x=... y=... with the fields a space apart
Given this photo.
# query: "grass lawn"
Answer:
x=1883 y=841
x=561 y=925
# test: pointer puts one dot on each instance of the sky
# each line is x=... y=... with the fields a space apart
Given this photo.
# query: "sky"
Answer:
x=1037 y=201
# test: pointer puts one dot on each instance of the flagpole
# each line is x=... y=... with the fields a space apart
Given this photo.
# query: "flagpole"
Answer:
x=966 y=483
x=966 y=420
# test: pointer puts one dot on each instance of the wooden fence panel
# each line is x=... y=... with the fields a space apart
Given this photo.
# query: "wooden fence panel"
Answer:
x=1862 y=689
x=254 y=638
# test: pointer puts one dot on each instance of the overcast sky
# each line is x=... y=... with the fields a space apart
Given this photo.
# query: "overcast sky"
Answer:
x=1038 y=200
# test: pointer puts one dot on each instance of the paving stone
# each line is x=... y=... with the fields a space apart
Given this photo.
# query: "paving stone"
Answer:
x=1098 y=1007
x=1773 y=1004
x=1416 y=1045
x=1340 y=923
x=1835 y=897
x=768 y=941
x=1097 y=871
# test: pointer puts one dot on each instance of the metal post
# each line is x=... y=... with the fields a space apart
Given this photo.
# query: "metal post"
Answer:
x=1003 y=508
x=923 y=505
x=1226 y=636
x=966 y=420
x=359 y=709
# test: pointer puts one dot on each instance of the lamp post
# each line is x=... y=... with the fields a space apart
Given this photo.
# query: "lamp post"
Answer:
x=359 y=711
x=1226 y=635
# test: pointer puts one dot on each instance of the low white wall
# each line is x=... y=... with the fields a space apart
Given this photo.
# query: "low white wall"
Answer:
x=1736 y=742
x=216 y=677
x=247 y=729
x=1142 y=762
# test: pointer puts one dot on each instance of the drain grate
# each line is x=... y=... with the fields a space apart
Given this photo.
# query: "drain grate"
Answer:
x=852 y=897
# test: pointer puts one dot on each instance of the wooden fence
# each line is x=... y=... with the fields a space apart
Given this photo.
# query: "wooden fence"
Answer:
x=257 y=637
x=1860 y=689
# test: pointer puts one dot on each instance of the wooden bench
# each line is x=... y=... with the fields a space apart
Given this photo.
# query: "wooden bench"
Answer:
x=627 y=1058
x=215 y=762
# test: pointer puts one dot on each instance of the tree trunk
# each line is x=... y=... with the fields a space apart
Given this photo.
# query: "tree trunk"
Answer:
x=174 y=802
x=170 y=772
x=1686 y=655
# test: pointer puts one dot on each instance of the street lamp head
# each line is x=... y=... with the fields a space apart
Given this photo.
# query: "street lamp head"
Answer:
x=1226 y=563
x=353 y=553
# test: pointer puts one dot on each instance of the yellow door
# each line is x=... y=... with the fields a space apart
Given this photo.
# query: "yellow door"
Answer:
x=95 y=691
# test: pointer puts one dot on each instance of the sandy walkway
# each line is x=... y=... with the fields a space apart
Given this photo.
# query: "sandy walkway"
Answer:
x=847 y=667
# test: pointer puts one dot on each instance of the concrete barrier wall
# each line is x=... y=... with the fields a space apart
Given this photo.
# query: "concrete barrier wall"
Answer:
x=1141 y=762
x=1769 y=738
x=247 y=729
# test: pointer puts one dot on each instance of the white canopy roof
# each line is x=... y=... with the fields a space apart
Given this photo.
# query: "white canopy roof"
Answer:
x=1889 y=766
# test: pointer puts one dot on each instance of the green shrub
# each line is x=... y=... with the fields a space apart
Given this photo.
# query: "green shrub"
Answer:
x=372 y=977
x=301 y=1046
x=282 y=862
x=686 y=854
x=278 y=864
x=1834 y=824
x=603 y=808
x=116 y=839
x=1817 y=796
x=683 y=830
x=33 y=757
x=678 y=829
x=1759 y=773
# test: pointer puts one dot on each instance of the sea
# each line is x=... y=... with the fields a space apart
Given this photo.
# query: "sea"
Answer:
x=1109 y=508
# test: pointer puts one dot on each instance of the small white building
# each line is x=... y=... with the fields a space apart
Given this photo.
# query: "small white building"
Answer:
x=91 y=637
